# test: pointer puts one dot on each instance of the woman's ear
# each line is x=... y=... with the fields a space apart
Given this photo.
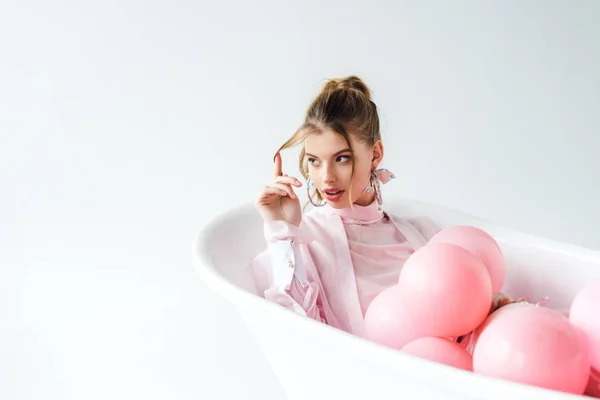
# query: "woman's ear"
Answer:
x=377 y=154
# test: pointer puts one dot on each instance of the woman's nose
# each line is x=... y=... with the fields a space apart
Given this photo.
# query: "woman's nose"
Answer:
x=328 y=175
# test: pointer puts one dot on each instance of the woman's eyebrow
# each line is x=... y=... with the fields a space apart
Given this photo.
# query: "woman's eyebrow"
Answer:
x=339 y=152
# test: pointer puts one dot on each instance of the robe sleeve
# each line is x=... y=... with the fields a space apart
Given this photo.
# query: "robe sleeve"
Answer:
x=281 y=270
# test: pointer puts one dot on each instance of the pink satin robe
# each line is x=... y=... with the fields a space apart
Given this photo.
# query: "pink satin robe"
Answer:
x=332 y=266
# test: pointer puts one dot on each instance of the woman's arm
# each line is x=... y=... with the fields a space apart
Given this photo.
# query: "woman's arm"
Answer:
x=284 y=265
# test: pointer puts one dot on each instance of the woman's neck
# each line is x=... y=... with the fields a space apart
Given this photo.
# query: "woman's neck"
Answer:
x=366 y=199
x=358 y=213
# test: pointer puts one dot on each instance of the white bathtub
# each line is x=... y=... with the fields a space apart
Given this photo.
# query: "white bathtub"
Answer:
x=315 y=361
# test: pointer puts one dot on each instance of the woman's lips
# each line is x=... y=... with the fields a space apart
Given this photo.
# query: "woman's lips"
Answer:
x=334 y=194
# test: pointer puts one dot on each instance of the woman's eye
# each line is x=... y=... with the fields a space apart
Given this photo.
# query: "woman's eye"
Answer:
x=343 y=159
x=312 y=161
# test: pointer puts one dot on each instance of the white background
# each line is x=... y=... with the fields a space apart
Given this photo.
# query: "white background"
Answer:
x=127 y=125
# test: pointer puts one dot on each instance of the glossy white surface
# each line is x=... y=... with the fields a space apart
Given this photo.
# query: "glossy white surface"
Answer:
x=315 y=361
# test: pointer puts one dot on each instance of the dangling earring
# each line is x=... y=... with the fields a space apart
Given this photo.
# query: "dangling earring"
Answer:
x=376 y=187
x=379 y=176
x=310 y=185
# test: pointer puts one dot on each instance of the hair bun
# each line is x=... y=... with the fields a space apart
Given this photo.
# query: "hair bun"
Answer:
x=348 y=83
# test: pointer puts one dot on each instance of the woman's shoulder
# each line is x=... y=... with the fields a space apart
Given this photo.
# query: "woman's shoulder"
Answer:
x=316 y=222
x=314 y=219
x=425 y=225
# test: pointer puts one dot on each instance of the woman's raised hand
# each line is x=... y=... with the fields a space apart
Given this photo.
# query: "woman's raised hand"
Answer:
x=278 y=201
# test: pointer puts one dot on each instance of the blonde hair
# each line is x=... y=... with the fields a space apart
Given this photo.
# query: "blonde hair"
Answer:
x=344 y=105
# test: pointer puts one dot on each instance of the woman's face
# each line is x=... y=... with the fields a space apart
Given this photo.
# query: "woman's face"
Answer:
x=330 y=166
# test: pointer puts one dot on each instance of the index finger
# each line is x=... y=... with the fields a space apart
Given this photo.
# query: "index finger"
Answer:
x=277 y=171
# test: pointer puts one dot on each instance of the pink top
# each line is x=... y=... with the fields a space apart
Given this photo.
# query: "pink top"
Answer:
x=336 y=262
x=377 y=248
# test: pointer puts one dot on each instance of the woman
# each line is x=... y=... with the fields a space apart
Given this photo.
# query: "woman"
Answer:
x=330 y=263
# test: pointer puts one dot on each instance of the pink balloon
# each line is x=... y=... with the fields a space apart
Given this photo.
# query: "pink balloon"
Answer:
x=593 y=386
x=482 y=245
x=440 y=350
x=469 y=342
x=448 y=291
x=536 y=346
x=387 y=321
x=585 y=314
